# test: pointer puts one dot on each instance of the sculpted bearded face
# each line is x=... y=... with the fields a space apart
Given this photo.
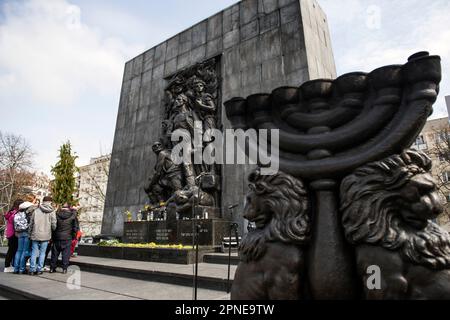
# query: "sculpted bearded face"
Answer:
x=419 y=201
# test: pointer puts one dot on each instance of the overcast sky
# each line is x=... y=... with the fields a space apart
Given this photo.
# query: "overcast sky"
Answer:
x=61 y=61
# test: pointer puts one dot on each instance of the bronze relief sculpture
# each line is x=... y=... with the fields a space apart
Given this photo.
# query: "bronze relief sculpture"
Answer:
x=191 y=99
x=167 y=177
x=184 y=189
x=371 y=199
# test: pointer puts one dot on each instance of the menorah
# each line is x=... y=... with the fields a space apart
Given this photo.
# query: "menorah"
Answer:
x=328 y=129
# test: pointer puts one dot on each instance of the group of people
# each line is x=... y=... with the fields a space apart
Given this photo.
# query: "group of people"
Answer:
x=33 y=229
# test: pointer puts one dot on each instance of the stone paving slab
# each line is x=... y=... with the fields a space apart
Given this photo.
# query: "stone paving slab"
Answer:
x=98 y=287
x=221 y=258
x=206 y=270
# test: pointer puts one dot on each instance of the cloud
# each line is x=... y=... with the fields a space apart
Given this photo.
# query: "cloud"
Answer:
x=64 y=61
x=47 y=52
x=403 y=28
x=104 y=19
x=61 y=66
x=60 y=77
x=349 y=10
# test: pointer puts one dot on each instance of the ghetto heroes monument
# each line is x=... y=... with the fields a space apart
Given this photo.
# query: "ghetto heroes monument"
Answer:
x=251 y=47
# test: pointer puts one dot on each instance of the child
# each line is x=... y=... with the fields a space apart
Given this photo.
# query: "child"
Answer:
x=78 y=235
x=74 y=244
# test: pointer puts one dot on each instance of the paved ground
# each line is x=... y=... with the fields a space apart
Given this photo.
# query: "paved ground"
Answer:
x=205 y=269
x=99 y=287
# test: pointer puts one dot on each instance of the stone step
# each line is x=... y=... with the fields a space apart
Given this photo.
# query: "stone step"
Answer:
x=172 y=256
x=211 y=276
x=94 y=286
x=221 y=258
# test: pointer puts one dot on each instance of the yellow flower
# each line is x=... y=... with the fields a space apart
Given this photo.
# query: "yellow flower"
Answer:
x=151 y=245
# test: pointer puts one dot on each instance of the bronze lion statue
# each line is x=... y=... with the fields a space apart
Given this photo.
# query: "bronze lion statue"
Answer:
x=272 y=256
x=388 y=208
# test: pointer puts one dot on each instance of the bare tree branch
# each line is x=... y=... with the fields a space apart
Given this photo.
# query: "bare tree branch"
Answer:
x=440 y=152
x=16 y=160
x=93 y=181
x=97 y=182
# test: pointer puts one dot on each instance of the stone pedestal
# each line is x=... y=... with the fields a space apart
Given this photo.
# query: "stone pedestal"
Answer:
x=143 y=254
x=135 y=232
x=212 y=232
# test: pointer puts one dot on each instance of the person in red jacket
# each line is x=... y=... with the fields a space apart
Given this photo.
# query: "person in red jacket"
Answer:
x=74 y=244
x=11 y=236
x=77 y=236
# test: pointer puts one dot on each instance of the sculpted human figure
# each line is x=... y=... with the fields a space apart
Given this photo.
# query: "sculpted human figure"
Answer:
x=190 y=196
x=175 y=88
x=205 y=107
x=167 y=178
x=182 y=116
x=388 y=209
x=183 y=119
x=273 y=256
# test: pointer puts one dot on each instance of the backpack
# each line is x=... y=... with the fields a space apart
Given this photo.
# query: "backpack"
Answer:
x=21 y=223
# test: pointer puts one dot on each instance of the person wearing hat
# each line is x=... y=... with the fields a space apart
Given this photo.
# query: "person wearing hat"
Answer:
x=21 y=226
x=42 y=223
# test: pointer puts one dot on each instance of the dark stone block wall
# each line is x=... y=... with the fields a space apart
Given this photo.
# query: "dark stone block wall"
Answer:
x=263 y=44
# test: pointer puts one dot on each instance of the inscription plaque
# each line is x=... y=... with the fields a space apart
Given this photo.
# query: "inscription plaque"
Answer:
x=136 y=232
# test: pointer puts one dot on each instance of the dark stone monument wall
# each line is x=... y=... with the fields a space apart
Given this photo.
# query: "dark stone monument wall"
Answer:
x=263 y=44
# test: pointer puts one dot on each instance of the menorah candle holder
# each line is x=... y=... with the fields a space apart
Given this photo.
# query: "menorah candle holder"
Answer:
x=329 y=128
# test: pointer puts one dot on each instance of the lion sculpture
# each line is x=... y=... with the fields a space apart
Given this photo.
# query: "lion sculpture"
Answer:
x=272 y=256
x=388 y=208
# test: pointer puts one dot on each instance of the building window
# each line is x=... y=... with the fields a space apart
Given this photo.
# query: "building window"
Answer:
x=444 y=157
x=441 y=137
x=446 y=177
x=420 y=143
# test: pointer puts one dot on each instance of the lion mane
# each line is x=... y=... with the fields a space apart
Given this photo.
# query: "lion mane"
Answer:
x=285 y=200
x=370 y=214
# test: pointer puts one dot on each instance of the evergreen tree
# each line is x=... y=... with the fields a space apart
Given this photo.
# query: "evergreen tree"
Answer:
x=64 y=185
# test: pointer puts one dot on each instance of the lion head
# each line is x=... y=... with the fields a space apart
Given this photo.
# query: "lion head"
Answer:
x=392 y=203
x=278 y=206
